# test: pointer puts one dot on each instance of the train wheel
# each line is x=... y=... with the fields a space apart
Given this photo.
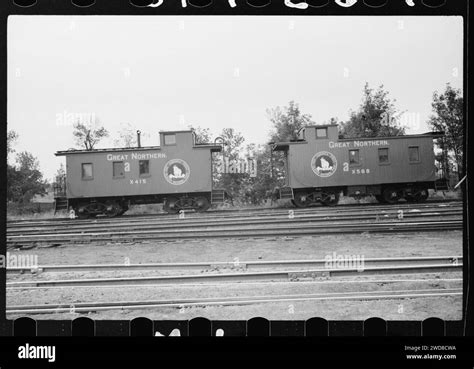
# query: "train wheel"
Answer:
x=112 y=209
x=124 y=209
x=380 y=199
x=410 y=198
x=302 y=200
x=83 y=211
x=171 y=205
x=82 y=215
x=421 y=195
x=202 y=204
x=391 y=195
x=329 y=198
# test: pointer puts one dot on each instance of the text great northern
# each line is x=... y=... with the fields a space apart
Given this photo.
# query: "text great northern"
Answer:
x=342 y=145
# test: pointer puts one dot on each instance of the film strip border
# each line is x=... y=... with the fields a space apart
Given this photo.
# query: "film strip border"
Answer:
x=255 y=327
x=280 y=7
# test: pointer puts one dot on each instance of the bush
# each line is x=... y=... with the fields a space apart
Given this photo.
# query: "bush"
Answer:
x=29 y=210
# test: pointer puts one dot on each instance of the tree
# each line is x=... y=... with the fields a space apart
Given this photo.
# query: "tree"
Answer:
x=374 y=118
x=225 y=168
x=233 y=142
x=448 y=117
x=59 y=184
x=61 y=172
x=88 y=136
x=258 y=188
x=127 y=136
x=25 y=180
x=203 y=135
x=12 y=137
x=287 y=121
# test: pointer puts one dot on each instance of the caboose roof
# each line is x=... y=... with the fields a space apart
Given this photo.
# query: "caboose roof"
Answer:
x=213 y=148
x=281 y=146
x=319 y=126
x=420 y=135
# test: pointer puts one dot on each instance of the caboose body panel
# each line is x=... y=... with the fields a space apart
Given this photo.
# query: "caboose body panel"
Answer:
x=331 y=162
x=319 y=166
x=178 y=167
x=103 y=183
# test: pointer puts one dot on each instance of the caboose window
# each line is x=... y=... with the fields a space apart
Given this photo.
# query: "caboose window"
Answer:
x=118 y=169
x=321 y=133
x=383 y=156
x=354 y=157
x=170 y=139
x=414 y=154
x=144 y=166
x=87 y=171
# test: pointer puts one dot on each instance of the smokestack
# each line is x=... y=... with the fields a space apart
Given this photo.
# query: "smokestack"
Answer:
x=138 y=139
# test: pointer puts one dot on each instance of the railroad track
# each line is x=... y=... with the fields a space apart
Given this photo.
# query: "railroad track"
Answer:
x=241 y=221
x=231 y=213
x=293 y=229
x=229 y=301
x=284 y=275
x=242 y=265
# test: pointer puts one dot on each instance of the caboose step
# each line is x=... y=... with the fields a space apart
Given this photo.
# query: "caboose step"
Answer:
x=61 y=203
x=442 y=185
x=286 y=193
x=217 y=196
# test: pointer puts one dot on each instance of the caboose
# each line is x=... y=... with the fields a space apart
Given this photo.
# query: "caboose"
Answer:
x=320 y=166
x=178 y=173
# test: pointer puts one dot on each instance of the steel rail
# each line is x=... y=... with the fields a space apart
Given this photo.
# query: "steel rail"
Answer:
x=242 y=213
x=222 y=233
x=267 y=220
x=292 y=275
x=226 y=301
x=247 y=284
x=248 y=265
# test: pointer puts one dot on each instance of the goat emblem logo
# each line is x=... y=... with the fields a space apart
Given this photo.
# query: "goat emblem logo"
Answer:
x=176 y=172
x=324 y=164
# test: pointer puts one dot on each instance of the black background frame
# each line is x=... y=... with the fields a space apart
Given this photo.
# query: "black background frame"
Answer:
x=258 y=342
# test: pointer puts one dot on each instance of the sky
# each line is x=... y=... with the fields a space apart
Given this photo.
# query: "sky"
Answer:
x=166 y=73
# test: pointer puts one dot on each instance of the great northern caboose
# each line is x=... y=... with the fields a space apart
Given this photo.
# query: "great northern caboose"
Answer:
x=320 y=166
x=178 y=173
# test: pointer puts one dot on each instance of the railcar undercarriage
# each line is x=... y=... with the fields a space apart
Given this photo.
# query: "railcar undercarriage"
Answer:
x=385 y=194
x=92 y=208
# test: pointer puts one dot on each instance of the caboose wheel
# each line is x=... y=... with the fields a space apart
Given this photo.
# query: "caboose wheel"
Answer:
x=409 y=198
x=171 y=205
x=124 y=210
x=380 y=199
x=82 y=211
x=82 y=215
x=329 y=198
x=391 y=195
x=420 y=195
x=302 y=200
x=201 y=204
x=112 y=209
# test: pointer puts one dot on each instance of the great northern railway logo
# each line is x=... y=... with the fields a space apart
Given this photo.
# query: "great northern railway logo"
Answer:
x=176 y=171
x=324 y=164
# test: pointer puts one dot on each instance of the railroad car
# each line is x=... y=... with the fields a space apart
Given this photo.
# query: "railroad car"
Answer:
x=178 y=173
x=320 y=166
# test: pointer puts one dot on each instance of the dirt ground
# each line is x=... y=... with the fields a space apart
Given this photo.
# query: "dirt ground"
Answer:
x=289 y=248
x=368 y=246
